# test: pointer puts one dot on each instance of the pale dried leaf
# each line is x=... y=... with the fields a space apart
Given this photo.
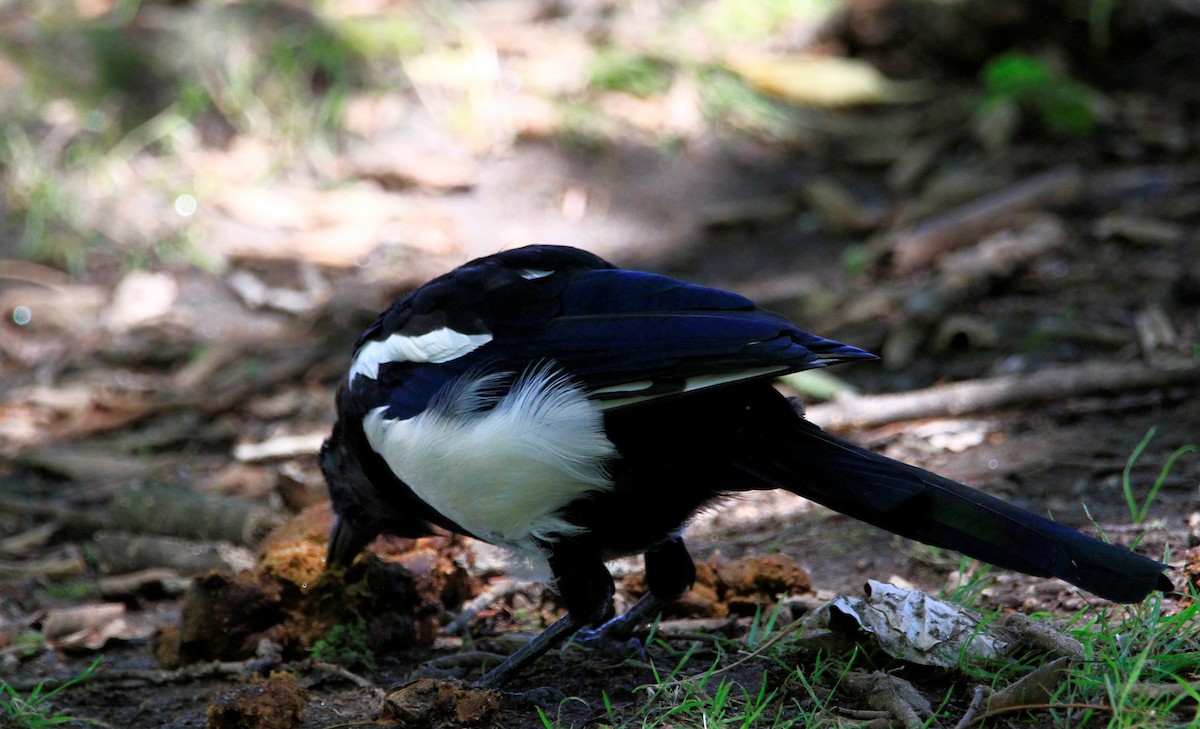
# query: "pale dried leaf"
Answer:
x=141 y=298
x=286 y=446
x=912 y=625
x=88 y=626
x=823 y=81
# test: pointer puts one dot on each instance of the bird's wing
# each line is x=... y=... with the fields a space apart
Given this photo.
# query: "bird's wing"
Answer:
x=631 y=336
x=626 y=336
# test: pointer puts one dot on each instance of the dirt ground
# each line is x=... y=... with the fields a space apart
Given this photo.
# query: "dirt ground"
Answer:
x=157 y=422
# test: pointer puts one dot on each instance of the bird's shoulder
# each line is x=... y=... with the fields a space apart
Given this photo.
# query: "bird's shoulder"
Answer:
x=430 y=336
x=464 y=298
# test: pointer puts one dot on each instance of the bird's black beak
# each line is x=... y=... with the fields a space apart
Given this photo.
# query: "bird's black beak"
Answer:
x=345 y=542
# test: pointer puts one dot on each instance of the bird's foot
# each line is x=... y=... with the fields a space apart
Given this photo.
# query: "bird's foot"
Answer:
x=544 y=696
x=610 y=644
x=615 y=638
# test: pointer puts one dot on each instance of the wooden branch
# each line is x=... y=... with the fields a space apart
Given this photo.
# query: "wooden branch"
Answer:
x=119 y=552
x=1046 y=638
x=482 y=601
x=71 y=565
x=1038 y=686
x=964 y=275
x=181 y=512
x=922 y=244
x=961 y=398
x=884 y=692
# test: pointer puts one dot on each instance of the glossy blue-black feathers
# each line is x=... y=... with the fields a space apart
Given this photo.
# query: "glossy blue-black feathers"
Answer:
x=607 y=328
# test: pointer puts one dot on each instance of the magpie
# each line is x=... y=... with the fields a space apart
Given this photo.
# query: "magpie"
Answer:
x=545 y=401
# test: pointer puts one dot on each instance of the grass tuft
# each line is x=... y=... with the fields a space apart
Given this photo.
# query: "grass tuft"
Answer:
x=35 y=710
x=1138 y=512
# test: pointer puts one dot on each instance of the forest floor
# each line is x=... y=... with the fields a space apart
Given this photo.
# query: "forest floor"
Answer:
x=1010 y=215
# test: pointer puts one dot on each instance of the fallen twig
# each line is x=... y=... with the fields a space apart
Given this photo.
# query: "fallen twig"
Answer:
x=1045 y=637
x=30 y=539
x=976 y=703
x=1060 y=706
x=964 y=275
x=153 y=676
x=1186 y=689
x=961 y=398
x=777 y=636
x=48 y=567
x=493 y=594
x=343 y=672
x=1038 y=685
x=121 y=552
x=892 y=694
x=90 y=464
x=130 y=584
x=181 y=512
x=70 y=519
x=921 y=244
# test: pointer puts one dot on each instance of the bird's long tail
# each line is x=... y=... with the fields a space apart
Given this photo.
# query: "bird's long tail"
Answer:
x=915 y=503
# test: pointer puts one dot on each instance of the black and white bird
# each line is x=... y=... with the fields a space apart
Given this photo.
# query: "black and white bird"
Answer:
x=545 y=401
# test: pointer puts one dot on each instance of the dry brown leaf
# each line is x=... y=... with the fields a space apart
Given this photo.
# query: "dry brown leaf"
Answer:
x=88 y=626
x=823 y=81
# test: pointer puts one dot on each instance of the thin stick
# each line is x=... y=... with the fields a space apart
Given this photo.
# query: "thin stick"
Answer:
x=973 y=709
x=961 y=398
x=493 y=594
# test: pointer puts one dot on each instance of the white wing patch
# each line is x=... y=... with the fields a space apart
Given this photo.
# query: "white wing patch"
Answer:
x=502 y=474
x=643 y=390
x=440 y=345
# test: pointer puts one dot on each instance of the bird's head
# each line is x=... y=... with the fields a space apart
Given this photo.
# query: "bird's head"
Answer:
x=355 y=523
x=361 y=511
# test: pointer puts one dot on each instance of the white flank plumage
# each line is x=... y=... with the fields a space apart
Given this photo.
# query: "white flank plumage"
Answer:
x=501 y=473
x=440 y=345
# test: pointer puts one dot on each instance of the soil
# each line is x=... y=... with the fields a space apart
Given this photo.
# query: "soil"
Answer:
x=93 y=406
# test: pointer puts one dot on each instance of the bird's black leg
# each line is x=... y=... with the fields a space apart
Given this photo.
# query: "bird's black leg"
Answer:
x=556 y=633
x=670 y=572
x=585 y=586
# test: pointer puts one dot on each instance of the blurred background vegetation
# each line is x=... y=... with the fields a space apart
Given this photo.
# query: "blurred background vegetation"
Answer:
x=126 y=124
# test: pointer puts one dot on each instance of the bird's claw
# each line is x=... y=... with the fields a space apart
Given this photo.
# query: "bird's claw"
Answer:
x=604 y=642
x=540 y=696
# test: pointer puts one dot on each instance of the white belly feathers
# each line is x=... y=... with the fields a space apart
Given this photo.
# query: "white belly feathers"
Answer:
x=500 y=473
